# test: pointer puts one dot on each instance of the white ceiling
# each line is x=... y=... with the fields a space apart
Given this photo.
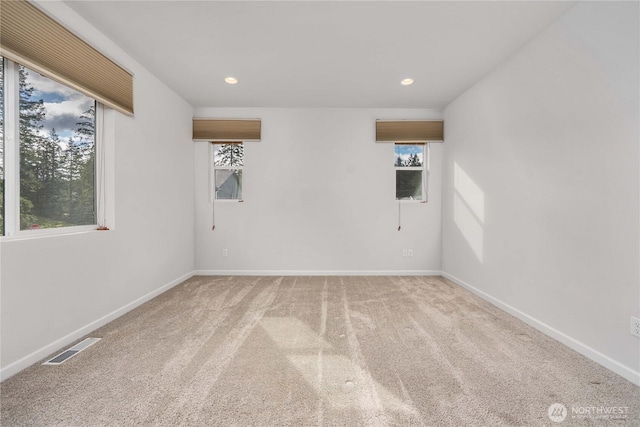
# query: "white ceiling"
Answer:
x=320 y=53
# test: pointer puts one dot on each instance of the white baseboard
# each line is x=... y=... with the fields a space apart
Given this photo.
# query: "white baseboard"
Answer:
x=58 y=344
x=317 y=273
x=585 y=350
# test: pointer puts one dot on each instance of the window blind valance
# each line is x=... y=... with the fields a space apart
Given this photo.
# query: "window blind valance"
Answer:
x=30 y=37
x=409 y=131
x=227 y=131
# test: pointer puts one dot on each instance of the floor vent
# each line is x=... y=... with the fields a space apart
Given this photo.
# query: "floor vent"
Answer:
x=69 y=353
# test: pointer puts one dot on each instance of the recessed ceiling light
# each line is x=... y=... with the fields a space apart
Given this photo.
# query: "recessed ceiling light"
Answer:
x=231 y=80
x=406 y=82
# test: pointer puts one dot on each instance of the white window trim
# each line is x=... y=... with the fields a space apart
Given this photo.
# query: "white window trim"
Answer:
x=104 y=177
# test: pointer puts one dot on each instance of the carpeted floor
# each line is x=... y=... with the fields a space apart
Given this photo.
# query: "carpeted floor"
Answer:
x=302 y=351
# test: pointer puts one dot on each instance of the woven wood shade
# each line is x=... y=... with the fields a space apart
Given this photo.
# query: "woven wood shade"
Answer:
x=226 y=131
x=30 y=37
x=409 y=131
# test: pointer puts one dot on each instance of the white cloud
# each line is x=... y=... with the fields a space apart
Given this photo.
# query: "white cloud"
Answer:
x=62 y=104
x=46 y=85
x=75 y=105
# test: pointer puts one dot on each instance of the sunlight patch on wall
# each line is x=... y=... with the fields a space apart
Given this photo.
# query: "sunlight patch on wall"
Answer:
x=469 y=191
x=468 y=225
x=468 y=210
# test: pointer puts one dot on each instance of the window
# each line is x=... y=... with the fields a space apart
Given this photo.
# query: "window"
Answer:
x=228 y=161
x=411 y=176
x=1 y=147
x=48 y=160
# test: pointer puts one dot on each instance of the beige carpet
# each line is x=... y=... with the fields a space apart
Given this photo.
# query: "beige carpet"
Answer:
x=302 y=351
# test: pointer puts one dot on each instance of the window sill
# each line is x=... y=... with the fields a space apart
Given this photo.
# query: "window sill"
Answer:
x=50 y=232
x=412 y=201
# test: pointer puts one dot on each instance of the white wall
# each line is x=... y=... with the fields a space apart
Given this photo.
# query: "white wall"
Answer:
x=319 y=196
x=541 y=184
x=55 y=289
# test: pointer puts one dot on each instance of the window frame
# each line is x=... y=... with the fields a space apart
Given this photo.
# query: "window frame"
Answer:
x=212 y=175
x=11 y=164
x=424 y=168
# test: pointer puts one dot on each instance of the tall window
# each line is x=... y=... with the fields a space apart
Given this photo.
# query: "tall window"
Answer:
x=1 y=146
x=49 y=153
x=409 y=163
x=228 y=161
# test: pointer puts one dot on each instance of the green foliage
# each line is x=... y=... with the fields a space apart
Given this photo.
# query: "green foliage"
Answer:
x=26 y=218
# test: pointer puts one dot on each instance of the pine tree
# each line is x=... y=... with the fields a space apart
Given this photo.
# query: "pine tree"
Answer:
x=48 y=202
x=86 y=127
x=32 y=114
x=414 y=160
x=83 y=156
x=70 y=173
x=230 y=155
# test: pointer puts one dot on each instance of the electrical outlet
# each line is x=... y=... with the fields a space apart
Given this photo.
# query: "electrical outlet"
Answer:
x=635 y=326
x=225 y=252
x=410 y=253
x=404 y=253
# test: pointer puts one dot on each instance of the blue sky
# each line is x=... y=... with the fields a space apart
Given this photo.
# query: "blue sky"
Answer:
x=49 y=97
